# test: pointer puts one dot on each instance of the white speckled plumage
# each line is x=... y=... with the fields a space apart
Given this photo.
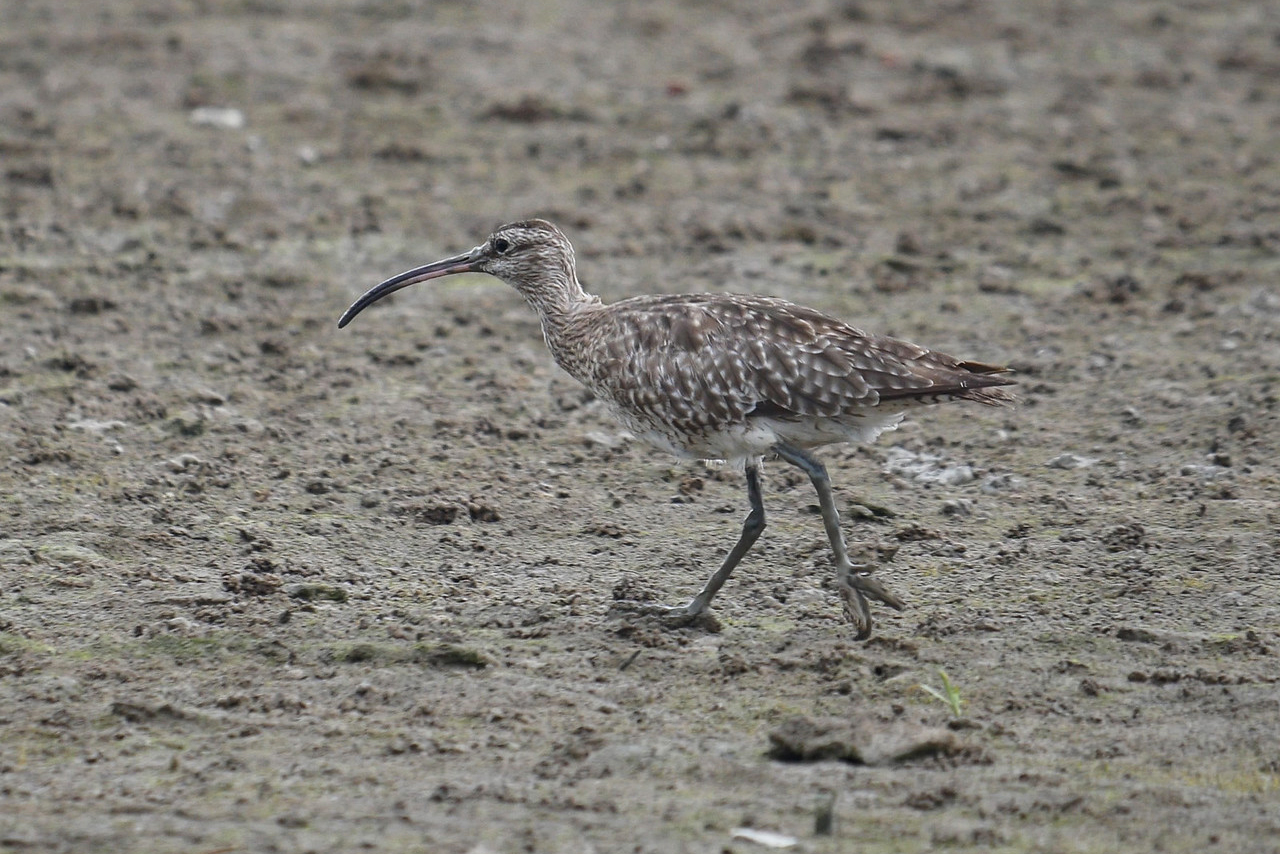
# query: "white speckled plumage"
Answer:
x=723 y=376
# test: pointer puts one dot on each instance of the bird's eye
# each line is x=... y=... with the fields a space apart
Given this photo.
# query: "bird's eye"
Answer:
x=501 y=245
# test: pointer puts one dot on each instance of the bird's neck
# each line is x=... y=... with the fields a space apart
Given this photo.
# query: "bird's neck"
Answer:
x=557 y=301
x=565 y=313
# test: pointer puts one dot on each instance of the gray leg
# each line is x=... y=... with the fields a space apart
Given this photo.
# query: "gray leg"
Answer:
x=855 y=582
x=751 y=529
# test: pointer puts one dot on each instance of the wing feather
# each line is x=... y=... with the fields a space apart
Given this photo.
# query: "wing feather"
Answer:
x=703 y=361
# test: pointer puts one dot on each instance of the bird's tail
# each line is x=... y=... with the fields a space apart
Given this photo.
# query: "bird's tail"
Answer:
x=984 y=386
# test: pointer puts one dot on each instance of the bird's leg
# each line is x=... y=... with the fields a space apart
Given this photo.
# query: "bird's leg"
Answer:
x=751 y=528
x=855 y=582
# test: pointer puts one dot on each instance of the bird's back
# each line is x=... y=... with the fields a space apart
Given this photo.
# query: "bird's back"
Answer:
x=727 y=375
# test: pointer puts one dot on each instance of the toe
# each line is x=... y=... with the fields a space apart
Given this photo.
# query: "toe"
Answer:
x=856 y=611
x=871 y=586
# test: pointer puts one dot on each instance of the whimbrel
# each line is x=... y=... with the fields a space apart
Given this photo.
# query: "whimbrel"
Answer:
x=728 y=377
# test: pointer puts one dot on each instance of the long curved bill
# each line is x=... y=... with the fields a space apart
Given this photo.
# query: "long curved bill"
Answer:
x=465 y=263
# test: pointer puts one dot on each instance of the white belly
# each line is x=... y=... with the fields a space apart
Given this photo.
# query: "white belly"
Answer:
x=757 y=436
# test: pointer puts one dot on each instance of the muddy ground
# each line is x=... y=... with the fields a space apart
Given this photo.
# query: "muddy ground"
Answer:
x=268 y=586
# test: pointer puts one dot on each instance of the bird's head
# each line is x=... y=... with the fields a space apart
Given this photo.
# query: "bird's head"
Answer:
x=533 y=256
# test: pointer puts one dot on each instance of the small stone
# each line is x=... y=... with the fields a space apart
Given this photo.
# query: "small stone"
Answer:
x=92 y=425
x=994 y=483
x=480 y=512
x=186 y=423
x=996 y=279
x=182 y=626
x=1204 y=472
x=227 y=118
x=183 y=462
x=1131 y=417
x=208 y=396
x=908 y=243
x=767 y=838
x=90 y=305
x=1071 y=461
x=599 y=437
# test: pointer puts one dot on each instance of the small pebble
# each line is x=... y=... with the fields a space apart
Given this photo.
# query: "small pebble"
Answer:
x=228 y=118
x=767 y=838
x=182 y=462
x=1071 y=461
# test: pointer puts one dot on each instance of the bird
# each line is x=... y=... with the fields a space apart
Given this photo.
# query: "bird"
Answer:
x=723 y=376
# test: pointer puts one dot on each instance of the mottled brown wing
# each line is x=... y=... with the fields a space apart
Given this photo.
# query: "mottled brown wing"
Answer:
x=705 y=360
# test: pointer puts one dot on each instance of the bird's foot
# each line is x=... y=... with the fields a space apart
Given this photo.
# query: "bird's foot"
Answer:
x=856 y=585
x=693 y=615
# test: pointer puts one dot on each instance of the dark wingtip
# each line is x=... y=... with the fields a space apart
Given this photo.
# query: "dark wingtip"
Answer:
x=985 y=368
